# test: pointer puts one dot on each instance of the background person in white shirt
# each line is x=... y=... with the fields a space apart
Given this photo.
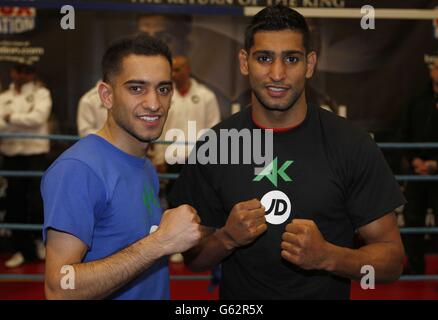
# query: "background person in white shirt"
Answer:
x=24 y=108
x=192 y=101
x=91 y=114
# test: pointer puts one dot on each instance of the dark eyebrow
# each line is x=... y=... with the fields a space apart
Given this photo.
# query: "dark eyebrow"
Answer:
x=165 y=83
x=142 y=82
x=289 y=52
x=136 y=82
x=284 y=53
x=263 y=52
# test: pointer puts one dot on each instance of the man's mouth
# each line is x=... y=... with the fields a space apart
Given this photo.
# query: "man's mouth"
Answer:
x=150 y=120
x=277 y=91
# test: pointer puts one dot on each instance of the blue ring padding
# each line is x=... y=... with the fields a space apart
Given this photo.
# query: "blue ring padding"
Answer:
x=21 y=277
x=383 y=145
x=22 y=226
x=416 y=178
x=136 y=7
x=419 y=230
x=408 y=145
x=18 y=173
x=168 y=176
x=174 y=176
x=65 y=137
x=420 y=277
x=36 y=174
x=40 y=277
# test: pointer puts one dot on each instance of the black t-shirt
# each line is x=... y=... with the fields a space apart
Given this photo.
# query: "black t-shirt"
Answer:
x=325 y=170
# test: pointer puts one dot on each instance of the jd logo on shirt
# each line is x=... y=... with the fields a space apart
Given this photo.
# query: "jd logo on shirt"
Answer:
x=272 y=172
x=278 y=207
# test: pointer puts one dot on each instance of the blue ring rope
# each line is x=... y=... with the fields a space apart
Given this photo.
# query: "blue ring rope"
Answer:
x=383 y=145
x=40 y=277
x=33 y=227
x=66 y=137
x=174 y=176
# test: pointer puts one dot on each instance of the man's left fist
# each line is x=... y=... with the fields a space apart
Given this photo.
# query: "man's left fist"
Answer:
x=304 y=245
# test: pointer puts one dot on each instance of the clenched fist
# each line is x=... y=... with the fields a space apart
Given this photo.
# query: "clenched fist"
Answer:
x=179 y=230
x=424 y=167
x=304 y=245
x=245 y=223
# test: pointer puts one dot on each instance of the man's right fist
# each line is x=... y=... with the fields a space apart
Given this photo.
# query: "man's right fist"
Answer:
x=179 y=230
x=245 y=223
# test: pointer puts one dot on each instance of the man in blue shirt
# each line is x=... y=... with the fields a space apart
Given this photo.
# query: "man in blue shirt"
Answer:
x=105 y=233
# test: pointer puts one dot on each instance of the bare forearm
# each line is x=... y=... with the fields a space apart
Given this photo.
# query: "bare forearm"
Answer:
x=98 y=279
x=210 y=252
x=385 y=258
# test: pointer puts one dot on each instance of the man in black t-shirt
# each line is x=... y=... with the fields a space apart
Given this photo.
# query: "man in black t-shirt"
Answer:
x=285 y=230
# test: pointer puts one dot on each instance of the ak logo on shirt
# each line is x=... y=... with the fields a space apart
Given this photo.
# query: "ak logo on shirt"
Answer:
x=272 y=172
x=277 y=203
x=149 y=199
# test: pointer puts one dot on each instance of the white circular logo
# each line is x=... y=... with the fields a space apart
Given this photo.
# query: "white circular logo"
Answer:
x=278 y=207
x=153 y=229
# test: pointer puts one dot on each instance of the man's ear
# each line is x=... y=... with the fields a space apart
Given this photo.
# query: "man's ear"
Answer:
x=243 y=60
x=106 y=94
x=311 y=64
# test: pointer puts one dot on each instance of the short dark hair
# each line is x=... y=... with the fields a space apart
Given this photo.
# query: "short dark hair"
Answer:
x=139 y=44
x=277 y=18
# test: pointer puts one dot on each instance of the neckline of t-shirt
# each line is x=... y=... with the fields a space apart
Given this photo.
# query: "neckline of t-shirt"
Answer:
x=136 y=161
x=188 y=92
x=25 y=88
x=185 y=93
x=281 y=130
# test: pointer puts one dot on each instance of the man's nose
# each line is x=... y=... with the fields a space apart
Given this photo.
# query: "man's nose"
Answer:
x=277 y=71
x=151 y=101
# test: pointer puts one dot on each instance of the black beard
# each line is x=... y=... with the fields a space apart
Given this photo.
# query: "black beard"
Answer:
x=133 y=134
x=273 y=108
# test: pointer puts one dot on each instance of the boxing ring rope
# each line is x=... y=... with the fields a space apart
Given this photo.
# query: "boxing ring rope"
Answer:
x=64 y=137
x=174 y=176
x=36 y=227
x=19 y=173
x=40 y=277
x=383 y=145
x=170 y=176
